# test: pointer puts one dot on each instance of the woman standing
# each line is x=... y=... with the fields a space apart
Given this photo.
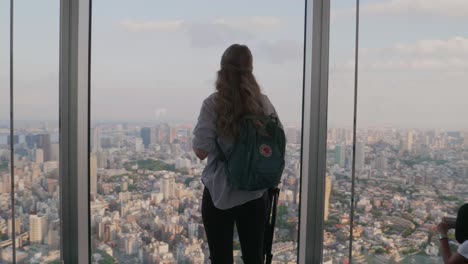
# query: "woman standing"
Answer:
x=237 y=95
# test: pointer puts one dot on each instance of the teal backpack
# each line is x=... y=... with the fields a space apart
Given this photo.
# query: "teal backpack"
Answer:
x=256 y=160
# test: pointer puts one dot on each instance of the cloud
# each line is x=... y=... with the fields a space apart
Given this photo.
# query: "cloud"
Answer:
x=449 y=55
x=205 y=34
x=247 y=24
x=169 y=25
x=251 y=23
x=452 y=47
x=448 y=8
x=280 y=51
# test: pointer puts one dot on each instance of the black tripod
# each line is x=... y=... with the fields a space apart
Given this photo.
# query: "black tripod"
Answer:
x=273 y=195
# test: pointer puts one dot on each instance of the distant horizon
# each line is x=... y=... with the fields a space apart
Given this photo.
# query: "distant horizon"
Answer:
x=52 y=123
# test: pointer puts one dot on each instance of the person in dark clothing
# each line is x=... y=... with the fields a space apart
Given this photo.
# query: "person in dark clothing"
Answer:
x=237 y=95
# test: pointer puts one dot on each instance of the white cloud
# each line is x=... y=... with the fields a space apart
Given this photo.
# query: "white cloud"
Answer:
x=449 y=8
x=453 y=46
x=202 y=34
x=169 y=25
x=424 y=7
x=449 y=55
x=280 y=51
x=251 y=23
x=247 y=24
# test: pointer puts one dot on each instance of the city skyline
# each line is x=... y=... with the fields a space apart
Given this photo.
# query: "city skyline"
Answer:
x=143 y=167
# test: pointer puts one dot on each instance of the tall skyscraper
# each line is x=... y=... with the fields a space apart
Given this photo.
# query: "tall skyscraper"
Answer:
x=43 y=142
x=360 y=156
x=95 y=139
x=30 y=140
x=340 y=155
x=145 y=134
x=409 y=141
x=328 y=188
x=163 y=133
x=37 y=228
x=93 y=174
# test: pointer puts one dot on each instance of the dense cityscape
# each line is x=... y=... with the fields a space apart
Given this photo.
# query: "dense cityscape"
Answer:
x=406 y=181
x=146 y=195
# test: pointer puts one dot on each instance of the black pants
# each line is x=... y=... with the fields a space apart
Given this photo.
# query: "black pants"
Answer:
x=250 y=219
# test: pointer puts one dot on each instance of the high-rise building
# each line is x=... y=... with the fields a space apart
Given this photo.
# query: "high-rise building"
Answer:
x=409 y=141
x=193 y=230
x=340 y=155
x=145 y=134
x=139 y=147
x=102 y=160
x=17 y=226
x=54 y=151
x=43 y=142
x=360 y=156
x=95 y=139
x=168 y=187
x=15 y=139
x=30 y=140
x=53 y=236
x=381 y=162
x=328 y=188
x=37 y=228
x=172 y=134
x=93 y=173
x=163 y=133
x=38 y=156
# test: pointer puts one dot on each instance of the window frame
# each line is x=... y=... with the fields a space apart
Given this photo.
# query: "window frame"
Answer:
x=314 y=130
x=75 y=21
x=75 y=38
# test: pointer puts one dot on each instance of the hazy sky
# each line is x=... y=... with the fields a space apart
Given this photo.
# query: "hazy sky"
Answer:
x=150 y=55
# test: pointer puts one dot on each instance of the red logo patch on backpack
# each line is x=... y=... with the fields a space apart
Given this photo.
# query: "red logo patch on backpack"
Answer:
x=265 y=150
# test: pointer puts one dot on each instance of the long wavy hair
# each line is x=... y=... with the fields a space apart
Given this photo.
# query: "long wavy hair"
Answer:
x=461 y=226
x=238 y=93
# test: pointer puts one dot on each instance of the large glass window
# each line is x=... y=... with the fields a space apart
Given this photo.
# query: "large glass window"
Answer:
x=338 y=178
x=35 y=138
x=153 y=63
x=6 y=232
x=410 y=152
x=410 y=131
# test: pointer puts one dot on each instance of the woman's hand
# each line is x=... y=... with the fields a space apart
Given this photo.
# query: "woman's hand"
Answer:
x=443 y=228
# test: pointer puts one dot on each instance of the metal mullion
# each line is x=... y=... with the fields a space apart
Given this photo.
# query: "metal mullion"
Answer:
x=74 y=129
x=12 y=136
x=315 y=103
x=353 y=170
